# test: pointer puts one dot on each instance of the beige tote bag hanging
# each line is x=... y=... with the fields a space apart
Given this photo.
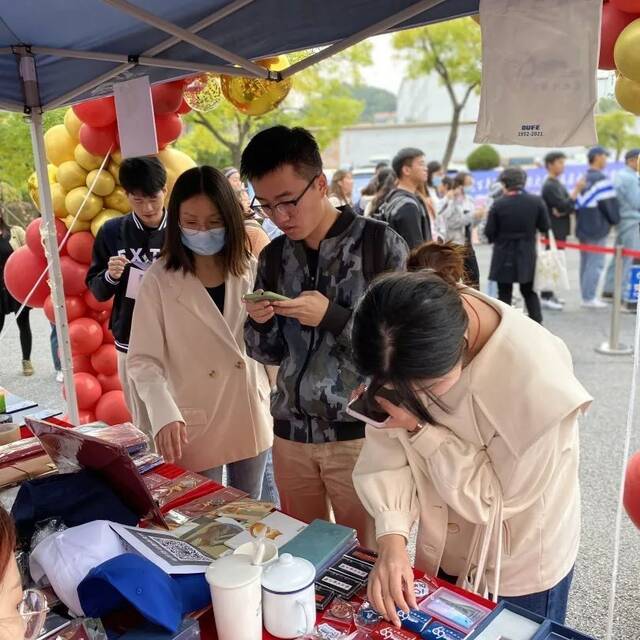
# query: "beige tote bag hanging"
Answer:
x=539 y=72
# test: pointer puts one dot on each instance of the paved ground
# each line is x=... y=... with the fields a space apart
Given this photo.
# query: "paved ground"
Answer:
x=602 y=432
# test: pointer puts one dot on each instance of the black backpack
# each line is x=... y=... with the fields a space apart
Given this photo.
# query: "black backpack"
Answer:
x=394 y=201
x=373 y=255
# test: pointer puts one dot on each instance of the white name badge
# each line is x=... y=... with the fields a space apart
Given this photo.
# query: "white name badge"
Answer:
x=134 y=282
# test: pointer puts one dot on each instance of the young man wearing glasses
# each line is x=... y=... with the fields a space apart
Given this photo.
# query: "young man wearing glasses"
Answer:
x=323 y=264
x=125 y=247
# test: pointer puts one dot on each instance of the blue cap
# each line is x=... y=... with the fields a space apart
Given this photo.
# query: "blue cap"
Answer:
x=132 y=580
x=597 y=151
x=632 y=153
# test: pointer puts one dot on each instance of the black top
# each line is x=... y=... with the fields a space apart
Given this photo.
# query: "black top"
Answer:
x=7 y=303
x=217 y=295
x=560 y=206
x=410 y=220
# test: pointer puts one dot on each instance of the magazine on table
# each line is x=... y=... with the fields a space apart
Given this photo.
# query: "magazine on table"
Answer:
x=278 y=527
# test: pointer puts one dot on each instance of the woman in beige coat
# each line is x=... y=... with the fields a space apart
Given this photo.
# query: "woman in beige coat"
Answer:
x=206 y=402
x=481 y=447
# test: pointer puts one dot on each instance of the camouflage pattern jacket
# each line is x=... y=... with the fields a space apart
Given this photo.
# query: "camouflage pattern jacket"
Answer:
x=316 y=371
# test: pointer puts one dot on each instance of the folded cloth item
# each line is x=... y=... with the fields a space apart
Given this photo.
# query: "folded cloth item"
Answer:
x=75 y=498
x=130 y=579
x=65 y=558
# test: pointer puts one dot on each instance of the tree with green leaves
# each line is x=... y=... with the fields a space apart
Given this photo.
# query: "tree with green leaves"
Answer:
x=616 y=131
x=319 y=100
x=483 y=158
x=452 y=51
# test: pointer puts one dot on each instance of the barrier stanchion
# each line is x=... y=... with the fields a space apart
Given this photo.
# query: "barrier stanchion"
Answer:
x=613 y=347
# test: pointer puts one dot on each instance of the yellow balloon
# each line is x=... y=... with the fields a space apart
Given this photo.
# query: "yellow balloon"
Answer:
x=52 y=170
x=114 y=170
x=91 y=208
x=101 y=218
x=118 y=200
x=626 y=52
x=72 y=123
x=78 y=225
x=116 y=156
x=203 y=92
x=628 y=94
x=71 y=175
x=257 y=96
x=85 y=159
x=58 y=197
x=59 y=144
x=175 y=160
x=105 y=183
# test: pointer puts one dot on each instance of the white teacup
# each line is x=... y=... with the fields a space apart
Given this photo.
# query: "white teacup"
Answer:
x=270 y=551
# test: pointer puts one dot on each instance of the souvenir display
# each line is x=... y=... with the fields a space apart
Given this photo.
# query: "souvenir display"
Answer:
x=456 y=610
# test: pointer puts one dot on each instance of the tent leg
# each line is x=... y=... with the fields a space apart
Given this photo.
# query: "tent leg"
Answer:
x=53 y=260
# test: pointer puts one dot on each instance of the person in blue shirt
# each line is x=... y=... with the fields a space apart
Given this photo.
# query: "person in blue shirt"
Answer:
x=627 y=185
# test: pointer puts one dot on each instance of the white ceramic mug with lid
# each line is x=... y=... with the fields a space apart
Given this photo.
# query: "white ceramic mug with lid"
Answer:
x=236 y=597
x=289 y=597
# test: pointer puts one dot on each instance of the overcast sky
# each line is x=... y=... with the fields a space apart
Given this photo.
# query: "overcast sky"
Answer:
x=386 y=71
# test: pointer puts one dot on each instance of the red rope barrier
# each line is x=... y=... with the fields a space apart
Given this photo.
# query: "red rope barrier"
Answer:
x=592 y=248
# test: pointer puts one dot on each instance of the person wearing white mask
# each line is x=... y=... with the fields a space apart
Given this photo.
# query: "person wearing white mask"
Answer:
x=205 y=400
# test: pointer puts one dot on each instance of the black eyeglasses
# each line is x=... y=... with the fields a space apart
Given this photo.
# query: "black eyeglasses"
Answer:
x=287 y=207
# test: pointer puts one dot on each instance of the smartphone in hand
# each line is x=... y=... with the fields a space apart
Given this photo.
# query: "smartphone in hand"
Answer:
x=264 y=296
x=365 y=407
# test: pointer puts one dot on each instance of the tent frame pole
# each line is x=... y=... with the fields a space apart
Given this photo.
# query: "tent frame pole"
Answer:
x=215 y=17
x=186 y=36
x=373 y=30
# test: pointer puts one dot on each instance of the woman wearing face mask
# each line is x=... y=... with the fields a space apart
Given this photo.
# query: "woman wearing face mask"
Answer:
x=481 y=447
x=22 y=614
x=435 y=175
x=206 y=402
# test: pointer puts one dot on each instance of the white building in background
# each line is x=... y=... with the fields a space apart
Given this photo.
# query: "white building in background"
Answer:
x=423 y=117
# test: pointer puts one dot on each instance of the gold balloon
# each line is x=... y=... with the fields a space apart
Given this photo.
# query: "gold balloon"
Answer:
x=71 y=175
x=72 y=123
x=105 y=183
x=58 y=197
x=628 y=94
x=78 y=225
x=59 y=145
x=91 y=208
x=203 y=92
x=85 y=159
x=118 y=200
x=114 y=170
x=116 y=156
x=176 y=163
x=257 y=96
x=101 y=218
x=626 y=52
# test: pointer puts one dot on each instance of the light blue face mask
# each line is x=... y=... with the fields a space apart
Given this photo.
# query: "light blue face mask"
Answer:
x=437 y=181
x=204 y=243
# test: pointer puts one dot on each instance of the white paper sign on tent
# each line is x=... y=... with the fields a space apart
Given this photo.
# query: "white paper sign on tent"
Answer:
x=136 y=123
x=539 y=61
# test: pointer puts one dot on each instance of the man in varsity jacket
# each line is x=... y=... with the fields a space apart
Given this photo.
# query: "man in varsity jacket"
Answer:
x=125 y=247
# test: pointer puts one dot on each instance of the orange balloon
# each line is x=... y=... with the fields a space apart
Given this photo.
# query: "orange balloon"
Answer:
x=73 y=275
x=34 y=239
x=21 y=272
x=75 y=306
x=80 y=246
x=105 y=360
x=85 y=335
x=88 y=390
x=632 y=489
x=96 y=305
x=109 y=383
x=82 y=364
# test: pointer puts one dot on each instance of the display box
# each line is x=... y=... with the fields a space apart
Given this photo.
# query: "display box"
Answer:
x=509 y=621
x=555 y=631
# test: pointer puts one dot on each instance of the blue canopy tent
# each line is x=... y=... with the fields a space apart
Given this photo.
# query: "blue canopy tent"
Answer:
x=58 y=52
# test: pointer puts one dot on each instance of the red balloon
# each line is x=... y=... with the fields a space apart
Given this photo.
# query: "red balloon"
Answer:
x=183 y=108
x=109 y=383
x=632 y=489
x=105 y=360
x=96 y=113
x=613 y=22
x=99 y=316
x=82 y=364
x=80 y=246
x=85 y=335
x=99 y=140
x=167 y=97
x=73 y=275
x=112 y=408
x=34 y=239
x=75 y=306
x=21 y=272
x=96 y=305
x=168 y=128
x=629 y=6
x=88 y=390
x=108 y=336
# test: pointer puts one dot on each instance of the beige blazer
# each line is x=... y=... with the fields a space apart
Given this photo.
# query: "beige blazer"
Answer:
x=188 y=363
x=494 y=484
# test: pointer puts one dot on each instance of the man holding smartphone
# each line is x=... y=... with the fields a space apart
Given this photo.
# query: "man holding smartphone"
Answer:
x=323 y=263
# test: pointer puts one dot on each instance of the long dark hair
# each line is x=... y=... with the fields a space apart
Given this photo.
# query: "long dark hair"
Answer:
x=212 y=183
x=410 y=327
x=387 y=181
x=433 y=167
